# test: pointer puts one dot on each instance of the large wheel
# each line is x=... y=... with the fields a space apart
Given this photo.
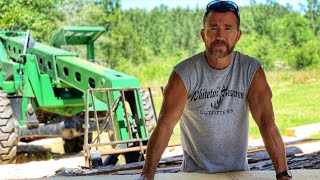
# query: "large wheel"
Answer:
x=150 y=118
x=8 y=134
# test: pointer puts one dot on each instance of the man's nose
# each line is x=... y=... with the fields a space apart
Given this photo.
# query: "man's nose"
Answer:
x=220 y=33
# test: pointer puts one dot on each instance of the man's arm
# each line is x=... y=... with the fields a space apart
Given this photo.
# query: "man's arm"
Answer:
x=175 y=97
x=259 y=98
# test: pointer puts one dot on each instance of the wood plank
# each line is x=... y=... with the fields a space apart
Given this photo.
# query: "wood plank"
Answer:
x=303 y=131
x=248 y=175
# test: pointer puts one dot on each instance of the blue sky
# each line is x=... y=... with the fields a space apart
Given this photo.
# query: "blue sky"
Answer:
x=149 y=4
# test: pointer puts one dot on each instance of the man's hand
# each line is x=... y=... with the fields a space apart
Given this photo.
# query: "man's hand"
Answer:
x=285 y=178
x=285 y=175
x=145 y=177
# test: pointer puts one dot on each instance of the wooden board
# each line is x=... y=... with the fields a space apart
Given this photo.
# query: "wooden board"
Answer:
x=303 y=131
x=250 y=175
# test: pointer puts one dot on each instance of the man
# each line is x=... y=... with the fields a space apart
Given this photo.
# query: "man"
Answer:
x=211 y=93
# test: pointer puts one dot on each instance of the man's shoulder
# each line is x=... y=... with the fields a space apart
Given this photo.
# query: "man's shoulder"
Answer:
x=246 y=59
x=192 y=60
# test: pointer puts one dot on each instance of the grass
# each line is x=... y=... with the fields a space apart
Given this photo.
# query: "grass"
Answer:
x=295 y=100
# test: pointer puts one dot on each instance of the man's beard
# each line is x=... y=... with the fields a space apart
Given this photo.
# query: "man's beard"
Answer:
x=219 y=53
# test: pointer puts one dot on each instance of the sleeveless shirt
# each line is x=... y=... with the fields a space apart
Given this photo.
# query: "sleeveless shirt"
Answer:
x=215 y=121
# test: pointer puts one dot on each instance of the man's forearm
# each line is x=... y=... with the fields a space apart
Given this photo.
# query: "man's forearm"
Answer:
x=275 y=147
x=156 y=146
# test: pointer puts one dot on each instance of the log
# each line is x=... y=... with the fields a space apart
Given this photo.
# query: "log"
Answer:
x=304 y=161
x=263 y=155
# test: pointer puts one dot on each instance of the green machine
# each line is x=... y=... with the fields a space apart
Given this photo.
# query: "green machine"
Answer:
x=43 y=92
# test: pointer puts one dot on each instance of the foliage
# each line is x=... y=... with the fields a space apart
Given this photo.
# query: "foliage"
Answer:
x=259 y=47
x=147 y=44
x=37 y=16
x=264 y=15
x=305 y=56
x=272 y=33
x=312 y=13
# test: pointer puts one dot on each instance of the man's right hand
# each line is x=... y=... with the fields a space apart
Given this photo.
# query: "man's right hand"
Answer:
x=145 y=177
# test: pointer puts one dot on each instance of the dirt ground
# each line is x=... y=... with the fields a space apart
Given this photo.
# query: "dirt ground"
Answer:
x=39 y=159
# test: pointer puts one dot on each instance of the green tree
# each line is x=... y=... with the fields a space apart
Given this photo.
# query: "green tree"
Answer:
x=304 y=56
x=264 y=15
x=37 y=16
x=259 y=47
x=313 y=12
x=271 y=32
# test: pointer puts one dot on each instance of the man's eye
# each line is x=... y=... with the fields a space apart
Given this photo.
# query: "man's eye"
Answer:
x=214 y=29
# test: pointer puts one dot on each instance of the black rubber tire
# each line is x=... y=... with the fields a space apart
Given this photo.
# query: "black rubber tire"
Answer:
x=148 y=112
x=8 y=132
x=75 y=145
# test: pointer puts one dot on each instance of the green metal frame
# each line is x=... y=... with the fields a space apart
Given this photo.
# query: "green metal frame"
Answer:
x=57 y=80
x=84 y=35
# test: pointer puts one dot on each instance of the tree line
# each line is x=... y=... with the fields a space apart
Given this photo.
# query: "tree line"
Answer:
x=153 y=40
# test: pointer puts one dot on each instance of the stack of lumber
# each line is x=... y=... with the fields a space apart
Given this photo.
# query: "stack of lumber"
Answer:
x=301 y=154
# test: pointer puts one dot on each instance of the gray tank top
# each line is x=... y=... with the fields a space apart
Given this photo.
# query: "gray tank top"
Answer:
x=214 y=124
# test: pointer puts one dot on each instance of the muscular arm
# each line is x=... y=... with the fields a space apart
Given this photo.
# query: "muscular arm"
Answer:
x=175 y=97
x=259 y=98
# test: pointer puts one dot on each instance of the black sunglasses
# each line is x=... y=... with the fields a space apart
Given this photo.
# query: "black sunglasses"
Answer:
x=222 y=6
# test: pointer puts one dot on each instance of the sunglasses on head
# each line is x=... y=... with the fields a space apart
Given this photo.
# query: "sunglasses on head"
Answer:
x=222 y=6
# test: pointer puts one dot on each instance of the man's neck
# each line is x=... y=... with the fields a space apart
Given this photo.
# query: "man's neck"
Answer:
x=218 y=63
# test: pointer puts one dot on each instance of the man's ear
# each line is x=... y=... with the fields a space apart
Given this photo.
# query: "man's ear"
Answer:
x=239 y=33
x=202 y=35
